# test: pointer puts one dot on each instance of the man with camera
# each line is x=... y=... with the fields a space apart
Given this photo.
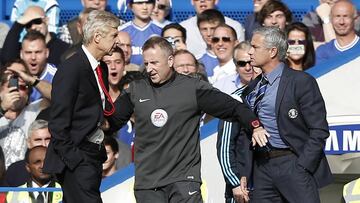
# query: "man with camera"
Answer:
x=16 y=113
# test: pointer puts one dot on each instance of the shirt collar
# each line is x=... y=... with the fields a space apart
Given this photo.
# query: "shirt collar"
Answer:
x=275 y=73
x=93 y=62
x=34 y=185
x=237 y=81
x=229 y=67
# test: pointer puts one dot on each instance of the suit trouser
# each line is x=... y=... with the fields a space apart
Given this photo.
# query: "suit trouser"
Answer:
x=82 y=184
x=281 y=179
x=178 y=192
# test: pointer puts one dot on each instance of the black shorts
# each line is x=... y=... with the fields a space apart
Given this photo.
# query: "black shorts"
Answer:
x=178 y=192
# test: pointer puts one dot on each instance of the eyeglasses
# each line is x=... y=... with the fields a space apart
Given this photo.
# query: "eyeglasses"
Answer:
x=293 y=41
x=217 y=39
x=242 y=63
x=161 y=6
x=36 y=21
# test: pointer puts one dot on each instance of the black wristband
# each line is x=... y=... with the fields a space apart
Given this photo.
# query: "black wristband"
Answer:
x=35 y=83
x=2 y=111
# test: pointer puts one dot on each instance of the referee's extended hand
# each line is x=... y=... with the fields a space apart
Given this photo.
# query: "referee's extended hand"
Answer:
x=260 y=136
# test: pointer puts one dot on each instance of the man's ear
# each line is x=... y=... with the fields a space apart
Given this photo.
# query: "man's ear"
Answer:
x=21 y=54
x=171 y=61
x=27 y=167
x=47 y=52
x=46 y=20
x=273 y=52
x=236 y=42
x=97 y=37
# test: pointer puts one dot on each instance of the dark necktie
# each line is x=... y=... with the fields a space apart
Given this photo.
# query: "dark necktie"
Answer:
x=260 y=93
x=40 y=198
x=107 y=95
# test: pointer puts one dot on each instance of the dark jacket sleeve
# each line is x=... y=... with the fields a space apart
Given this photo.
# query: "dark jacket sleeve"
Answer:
x=221 y=105
x=63 y=99
x=228 y=133
x=123 y=111
x=312 y=108
x=12 y=46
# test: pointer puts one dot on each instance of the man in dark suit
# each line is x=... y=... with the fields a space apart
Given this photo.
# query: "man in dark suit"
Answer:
x=289 y=164
x=76 y=151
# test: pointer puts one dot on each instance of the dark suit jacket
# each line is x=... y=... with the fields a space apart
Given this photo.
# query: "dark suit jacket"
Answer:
x=16 y=174
x=76 y=112
x=306 y=133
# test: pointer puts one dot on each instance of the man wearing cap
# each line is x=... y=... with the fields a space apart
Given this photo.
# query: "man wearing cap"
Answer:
x=34 y=18
x=141 y=27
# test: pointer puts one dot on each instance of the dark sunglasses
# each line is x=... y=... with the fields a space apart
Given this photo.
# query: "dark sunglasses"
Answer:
x=36 y=21
x=292 y=41
x=217 y=39
x=242 y=63
x=161 y=7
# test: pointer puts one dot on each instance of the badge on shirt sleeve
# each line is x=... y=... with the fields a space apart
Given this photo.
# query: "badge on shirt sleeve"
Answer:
x=159 y=117
x=293 y=113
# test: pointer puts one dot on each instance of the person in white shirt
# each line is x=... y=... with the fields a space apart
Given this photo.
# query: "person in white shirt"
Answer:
x=196 y=44
x=223 y=43
x=244 y=71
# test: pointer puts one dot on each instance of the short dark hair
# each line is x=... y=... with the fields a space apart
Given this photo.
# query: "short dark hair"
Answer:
x=111 y=141
x=121 y=52
x=175 y=26
x=210 y=15
x=33 y=35
x=232 y=30
x=272 y=6
x=27 y=154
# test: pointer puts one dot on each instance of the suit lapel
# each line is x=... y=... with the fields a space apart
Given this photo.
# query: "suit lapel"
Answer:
x=284 y=80
x=89 y=70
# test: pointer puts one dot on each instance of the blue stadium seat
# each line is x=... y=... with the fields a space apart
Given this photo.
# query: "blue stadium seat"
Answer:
x=182 y=9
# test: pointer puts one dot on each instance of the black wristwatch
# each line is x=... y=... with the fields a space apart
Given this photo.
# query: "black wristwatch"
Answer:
x=2 y=111
x=255 y=123
x=35 y=82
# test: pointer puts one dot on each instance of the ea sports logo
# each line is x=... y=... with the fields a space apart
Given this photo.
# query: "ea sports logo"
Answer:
x=159 y=117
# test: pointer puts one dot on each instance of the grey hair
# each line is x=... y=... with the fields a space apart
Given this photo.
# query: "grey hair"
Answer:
x=98 y=21
x=244 y=45
x=274 y=37
x=37 y=125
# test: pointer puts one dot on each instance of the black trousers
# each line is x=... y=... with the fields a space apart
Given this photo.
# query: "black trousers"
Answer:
x=82 y=184
x=178 y=192
x=281 y=179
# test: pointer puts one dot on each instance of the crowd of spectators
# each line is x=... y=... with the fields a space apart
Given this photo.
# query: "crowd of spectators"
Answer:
x=204 y=45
